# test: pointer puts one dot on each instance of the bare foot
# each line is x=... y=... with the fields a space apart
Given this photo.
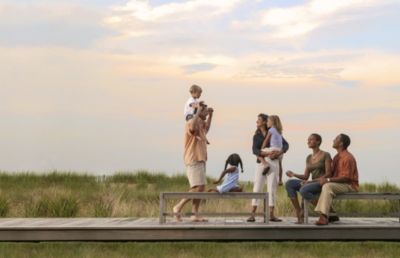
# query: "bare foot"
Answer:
x=177 y=214
x=198 y=219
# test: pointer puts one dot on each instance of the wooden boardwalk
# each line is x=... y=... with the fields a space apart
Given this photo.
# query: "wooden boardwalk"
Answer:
x=231 y=229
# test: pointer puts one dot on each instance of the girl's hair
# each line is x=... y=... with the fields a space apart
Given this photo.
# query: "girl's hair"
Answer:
x=317 y=137
x=195 y=88
x=276 y=122
x=235 y=160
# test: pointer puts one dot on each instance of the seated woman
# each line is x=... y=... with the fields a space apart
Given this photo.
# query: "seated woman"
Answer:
x=318 y=164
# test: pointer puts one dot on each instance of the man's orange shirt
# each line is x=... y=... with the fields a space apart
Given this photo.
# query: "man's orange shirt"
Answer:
x=345 y=165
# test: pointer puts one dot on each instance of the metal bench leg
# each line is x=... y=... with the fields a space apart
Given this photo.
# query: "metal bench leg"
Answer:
x=305 y=203
x=162 y=216
x=399 y=210
x=266 y=209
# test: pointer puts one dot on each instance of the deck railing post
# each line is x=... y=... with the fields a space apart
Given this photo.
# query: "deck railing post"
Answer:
x=305 y=203
x=162 y=217
x=266 y=208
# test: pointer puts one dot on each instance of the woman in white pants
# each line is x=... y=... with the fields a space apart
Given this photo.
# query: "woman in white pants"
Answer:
x=272 y=177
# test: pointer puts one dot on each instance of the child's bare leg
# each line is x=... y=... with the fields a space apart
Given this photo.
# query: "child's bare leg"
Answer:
x=236 y=189
x=266 y=167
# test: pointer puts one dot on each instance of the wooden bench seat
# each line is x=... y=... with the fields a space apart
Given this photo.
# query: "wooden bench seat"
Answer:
x=359 y=196
x=206 y=195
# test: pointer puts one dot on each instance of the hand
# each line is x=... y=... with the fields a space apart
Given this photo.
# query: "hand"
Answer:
x=274 y=154
x=322 y=181
x=210 y=110
x=195 y=105
x=289 y=173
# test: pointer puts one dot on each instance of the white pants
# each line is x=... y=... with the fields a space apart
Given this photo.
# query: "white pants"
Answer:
x=272 y=181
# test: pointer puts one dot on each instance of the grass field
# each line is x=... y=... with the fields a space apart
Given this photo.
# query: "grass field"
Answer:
x=202 y=249
x=136 y=194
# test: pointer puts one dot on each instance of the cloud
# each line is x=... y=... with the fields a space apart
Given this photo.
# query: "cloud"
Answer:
x=201 y=67
x=182 y=22
x=50 y=25
x=302 y=19
x=144 y=11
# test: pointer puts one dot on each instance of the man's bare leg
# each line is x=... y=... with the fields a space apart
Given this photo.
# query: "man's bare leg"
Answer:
x=178 y=207
x=196 y=205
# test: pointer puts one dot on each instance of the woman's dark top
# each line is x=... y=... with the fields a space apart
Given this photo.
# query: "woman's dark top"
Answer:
x=258 y=140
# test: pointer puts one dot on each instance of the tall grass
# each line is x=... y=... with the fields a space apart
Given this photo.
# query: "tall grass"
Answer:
x=136 y=194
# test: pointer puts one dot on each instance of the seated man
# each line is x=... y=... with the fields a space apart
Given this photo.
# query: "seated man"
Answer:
x=344 y=179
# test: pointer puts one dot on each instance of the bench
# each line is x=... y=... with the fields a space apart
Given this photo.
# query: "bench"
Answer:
x=205 y=195
x=359 y=196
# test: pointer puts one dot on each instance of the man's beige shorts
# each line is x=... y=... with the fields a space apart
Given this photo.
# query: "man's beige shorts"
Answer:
x=196 y=173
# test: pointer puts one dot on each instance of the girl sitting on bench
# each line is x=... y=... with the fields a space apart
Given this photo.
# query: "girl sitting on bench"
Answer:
x=231 y=169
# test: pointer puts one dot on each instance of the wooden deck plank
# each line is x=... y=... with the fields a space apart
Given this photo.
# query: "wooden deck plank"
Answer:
x=220 y=228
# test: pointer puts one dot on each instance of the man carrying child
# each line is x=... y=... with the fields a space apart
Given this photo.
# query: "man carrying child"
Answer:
x=195 y=156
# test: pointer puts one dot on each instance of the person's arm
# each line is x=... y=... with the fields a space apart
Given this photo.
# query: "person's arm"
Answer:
x=266 y=141
x=194 y=123
x=209 y=119
x=280 y=172
x=328 y=166
x=275 y=154
x=345 y=177
x=223 y=173
x=256 y=149
x=241 y=165
x=264 y=153
x=305 y=176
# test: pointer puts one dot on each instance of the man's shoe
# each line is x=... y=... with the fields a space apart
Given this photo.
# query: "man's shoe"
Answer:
x=251 y=219
x=333 y=219
x=275 y=219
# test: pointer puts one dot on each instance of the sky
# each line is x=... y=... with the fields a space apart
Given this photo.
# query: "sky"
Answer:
x=98 y=86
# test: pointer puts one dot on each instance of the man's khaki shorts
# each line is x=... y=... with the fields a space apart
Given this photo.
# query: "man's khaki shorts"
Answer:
x=196 y=174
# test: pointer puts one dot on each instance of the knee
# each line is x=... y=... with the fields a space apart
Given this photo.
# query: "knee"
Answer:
x=290 y=190
x=326 y=189
x=303 y=191
x=306 y=194
x=198 y=188
x=288 y=186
